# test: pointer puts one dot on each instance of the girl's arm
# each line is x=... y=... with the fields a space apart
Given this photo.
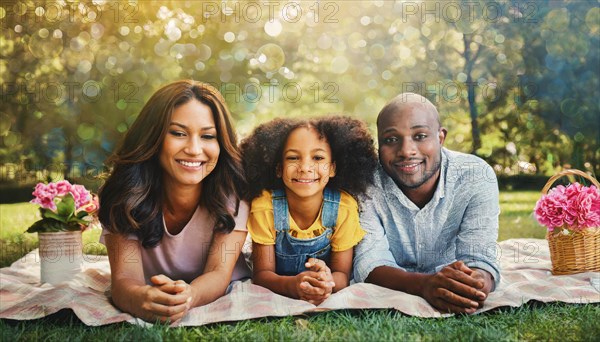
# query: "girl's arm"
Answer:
x=341 y=266
x=129 y=290
x=303 y=286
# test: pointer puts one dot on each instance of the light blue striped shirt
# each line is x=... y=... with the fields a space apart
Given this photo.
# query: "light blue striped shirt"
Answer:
x=459 y=223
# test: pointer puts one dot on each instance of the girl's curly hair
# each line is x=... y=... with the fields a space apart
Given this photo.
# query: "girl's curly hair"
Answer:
x=351 y=144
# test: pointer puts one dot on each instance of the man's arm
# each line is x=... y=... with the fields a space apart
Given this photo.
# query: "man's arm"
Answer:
x=476 y=243
x=452 y=289
x=373 y=251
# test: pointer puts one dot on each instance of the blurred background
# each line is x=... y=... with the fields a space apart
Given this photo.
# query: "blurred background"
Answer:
x=516 y=82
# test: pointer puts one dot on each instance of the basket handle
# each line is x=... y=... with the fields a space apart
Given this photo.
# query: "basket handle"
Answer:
x=569 y=172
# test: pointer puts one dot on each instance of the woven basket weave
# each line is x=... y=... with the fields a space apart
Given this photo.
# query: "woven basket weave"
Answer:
x=580 y=250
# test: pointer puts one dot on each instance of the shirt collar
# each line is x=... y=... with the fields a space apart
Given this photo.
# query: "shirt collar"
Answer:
x=441 y=187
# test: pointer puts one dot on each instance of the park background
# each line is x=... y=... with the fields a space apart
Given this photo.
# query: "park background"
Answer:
x=516 y=83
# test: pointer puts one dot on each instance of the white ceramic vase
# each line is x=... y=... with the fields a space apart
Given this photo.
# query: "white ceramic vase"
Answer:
x=61 y=256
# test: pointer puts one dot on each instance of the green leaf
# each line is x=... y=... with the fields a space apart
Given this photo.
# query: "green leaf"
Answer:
x=52 y=215
x=47 y=225
x=66 y=207
x=73 y=226
x=78 y=221
x=82 y=214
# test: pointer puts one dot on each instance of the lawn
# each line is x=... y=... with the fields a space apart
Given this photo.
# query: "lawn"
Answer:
x=534 y=321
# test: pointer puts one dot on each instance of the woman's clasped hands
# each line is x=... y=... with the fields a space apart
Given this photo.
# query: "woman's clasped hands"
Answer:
x=166 y=300
x=316 y=284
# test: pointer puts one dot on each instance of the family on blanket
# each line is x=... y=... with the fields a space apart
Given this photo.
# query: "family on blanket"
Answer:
x=319 y=206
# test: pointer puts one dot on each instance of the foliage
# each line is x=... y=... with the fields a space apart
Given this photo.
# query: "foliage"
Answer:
x=517 y=82
x=522 y=182
x=15 y=193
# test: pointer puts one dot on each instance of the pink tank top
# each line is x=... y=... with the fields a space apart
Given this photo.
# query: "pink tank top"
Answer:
x=183 y=256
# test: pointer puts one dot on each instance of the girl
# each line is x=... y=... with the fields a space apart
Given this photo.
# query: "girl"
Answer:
x=171 y=212
x=304 y=222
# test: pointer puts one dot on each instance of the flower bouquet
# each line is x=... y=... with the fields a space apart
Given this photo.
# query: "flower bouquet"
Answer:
x=64 y=207
x=571 y=215
x=67 y=210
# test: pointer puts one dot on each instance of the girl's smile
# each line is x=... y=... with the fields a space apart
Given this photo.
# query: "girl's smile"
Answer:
x=305 y=181
x=307 y=163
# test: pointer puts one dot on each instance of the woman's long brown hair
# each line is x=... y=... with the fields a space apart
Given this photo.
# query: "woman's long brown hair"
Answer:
x=131 y=198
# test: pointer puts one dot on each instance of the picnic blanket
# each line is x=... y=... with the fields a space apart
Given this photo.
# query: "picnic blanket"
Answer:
x=525 y=276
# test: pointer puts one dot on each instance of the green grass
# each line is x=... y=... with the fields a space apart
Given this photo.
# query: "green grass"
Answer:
x=535 y=321
x=557 y=321
x=516 y=216
x=15 y=242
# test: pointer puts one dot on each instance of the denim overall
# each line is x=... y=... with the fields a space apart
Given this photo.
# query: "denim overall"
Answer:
x=292 y=253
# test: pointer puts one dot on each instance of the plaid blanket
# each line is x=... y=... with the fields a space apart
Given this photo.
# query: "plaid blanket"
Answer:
x=525 y=267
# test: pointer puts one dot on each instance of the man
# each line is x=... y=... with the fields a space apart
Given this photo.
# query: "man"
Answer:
x=432 y=216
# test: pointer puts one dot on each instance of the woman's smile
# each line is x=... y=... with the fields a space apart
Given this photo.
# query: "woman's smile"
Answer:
x=190 y=149
x=191 y=164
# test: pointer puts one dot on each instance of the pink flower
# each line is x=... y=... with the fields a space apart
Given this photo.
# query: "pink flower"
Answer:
x=44 y=196
x=63 y=187
x=589 y=208
x=574 y=207
x=77 y=214
x=48 y=203
x=595 y=198
x=549 y=212
x=92 y=206
x=80 y=195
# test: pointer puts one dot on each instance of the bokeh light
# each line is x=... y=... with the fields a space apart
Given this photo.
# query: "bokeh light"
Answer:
x=85 y=75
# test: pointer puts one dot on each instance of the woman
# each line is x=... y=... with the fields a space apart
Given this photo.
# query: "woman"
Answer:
x=171 y=212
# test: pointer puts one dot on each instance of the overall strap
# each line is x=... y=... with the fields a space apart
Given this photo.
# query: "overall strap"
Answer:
x=331 y=204
x=280 y=210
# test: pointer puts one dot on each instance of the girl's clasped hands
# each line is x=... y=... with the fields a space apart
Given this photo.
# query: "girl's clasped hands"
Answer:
x=316 y=284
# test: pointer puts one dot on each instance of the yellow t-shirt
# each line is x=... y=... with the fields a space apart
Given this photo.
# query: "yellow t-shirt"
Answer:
x=346 y=234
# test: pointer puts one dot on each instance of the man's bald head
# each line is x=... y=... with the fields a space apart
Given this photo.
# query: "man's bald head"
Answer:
x=410 y=144
x=409 y=100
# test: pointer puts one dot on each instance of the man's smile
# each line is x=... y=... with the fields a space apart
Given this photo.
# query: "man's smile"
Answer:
x=408 y=167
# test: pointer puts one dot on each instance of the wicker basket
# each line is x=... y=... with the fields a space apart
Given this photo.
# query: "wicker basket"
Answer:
x=579 y=251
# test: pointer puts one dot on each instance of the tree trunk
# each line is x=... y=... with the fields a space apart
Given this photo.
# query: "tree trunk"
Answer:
x=469 y=62
x=68 y=157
